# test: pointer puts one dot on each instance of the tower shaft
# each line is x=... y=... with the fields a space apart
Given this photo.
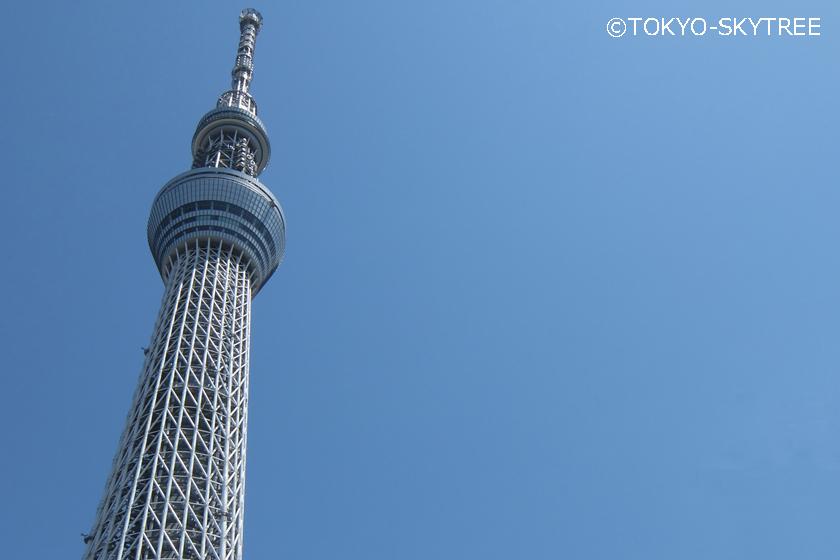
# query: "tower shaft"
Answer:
x=177 y=485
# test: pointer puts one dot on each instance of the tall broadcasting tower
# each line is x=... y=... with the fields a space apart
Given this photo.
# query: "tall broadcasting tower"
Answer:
x=177 y=486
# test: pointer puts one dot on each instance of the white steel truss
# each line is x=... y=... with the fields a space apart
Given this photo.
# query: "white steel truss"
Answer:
x=176 y=489
x=227 y=147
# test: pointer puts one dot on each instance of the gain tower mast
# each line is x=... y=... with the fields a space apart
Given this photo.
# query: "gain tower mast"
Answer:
x=177 y=484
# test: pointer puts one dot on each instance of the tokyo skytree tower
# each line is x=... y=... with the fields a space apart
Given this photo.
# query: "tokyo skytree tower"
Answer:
x=177 y=485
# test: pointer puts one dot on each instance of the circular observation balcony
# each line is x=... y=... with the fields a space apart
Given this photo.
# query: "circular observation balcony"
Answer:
x=218 y=204
x=234 y=118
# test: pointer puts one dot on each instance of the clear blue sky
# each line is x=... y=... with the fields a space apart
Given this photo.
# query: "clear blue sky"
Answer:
x=547 y=294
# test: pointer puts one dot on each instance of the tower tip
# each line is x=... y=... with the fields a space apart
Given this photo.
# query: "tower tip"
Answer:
x=250 y=15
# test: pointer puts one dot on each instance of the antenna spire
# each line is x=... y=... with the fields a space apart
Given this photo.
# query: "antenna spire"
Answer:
x=250 y=22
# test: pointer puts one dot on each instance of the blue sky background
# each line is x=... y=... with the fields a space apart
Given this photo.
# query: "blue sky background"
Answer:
x=547 y=294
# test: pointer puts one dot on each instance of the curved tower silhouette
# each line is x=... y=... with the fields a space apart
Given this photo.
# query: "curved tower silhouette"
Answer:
x=176 y=489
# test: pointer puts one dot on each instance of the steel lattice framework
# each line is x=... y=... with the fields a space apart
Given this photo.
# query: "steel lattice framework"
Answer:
x=176 y=489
